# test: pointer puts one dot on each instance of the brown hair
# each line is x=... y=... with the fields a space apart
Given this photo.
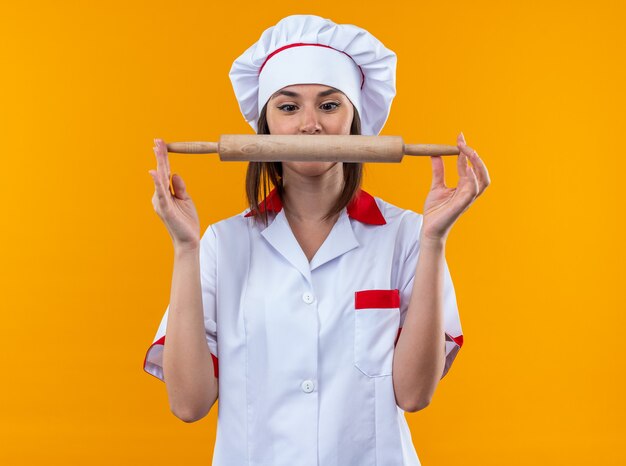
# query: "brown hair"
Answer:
x=262 y=175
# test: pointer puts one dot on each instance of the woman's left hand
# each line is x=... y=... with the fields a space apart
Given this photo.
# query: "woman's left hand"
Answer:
x=445 y=205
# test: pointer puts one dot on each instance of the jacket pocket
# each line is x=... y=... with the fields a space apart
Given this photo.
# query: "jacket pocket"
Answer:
x=376 y=322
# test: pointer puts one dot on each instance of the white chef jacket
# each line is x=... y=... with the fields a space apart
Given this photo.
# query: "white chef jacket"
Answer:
x=305 y=350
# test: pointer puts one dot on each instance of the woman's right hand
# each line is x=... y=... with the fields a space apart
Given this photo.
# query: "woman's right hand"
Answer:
x=177 y=210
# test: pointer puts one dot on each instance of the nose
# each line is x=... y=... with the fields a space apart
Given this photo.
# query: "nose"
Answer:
x=309 y=122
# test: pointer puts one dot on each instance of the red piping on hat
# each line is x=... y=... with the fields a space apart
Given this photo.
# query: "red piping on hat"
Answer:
x=315 y=45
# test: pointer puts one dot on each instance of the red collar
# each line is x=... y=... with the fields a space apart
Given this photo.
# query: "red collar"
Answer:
x=362 y=208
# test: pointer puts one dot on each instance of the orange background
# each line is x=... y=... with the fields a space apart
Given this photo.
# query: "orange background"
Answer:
x=537 y=261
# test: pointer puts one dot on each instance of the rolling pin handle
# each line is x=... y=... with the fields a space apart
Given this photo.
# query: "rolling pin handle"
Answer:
x=430 y=149
x=193 y=147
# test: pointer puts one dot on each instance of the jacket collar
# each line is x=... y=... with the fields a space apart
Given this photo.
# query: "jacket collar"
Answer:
x=362 y=208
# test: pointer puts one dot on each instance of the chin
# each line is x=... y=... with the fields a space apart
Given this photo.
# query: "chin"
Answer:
x=309 y=168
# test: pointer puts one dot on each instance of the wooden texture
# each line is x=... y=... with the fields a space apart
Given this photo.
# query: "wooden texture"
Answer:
x=430 y=149
x=327 y=148
x=194 y=147
x=330 y=148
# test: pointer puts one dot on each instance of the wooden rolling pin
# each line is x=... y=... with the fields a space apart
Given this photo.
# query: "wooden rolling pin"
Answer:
x=303 y=148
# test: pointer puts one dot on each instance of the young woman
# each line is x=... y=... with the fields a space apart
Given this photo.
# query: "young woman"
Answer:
x=321 y=314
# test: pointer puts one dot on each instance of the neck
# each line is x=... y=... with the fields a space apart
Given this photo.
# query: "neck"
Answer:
x=310 y=198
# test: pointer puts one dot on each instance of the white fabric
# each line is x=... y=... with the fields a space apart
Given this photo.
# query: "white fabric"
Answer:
x=370 y=56
x=307 y=64
x=297 y=384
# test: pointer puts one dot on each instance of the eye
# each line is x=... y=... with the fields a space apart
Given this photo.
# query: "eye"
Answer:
x=330 y=105
x=287 y=108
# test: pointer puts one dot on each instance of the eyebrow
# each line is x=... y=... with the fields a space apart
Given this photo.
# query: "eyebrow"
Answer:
x=295 y=94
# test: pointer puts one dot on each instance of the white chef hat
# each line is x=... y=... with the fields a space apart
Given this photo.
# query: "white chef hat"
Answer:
x=307 y=49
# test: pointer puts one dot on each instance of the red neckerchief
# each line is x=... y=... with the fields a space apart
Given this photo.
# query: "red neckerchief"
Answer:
x=362 y=208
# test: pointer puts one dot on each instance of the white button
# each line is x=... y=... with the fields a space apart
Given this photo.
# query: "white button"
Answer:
x=308 y=297
x=307 y=386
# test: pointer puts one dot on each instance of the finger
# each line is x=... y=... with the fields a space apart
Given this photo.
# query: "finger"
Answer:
x=482 y=175
x=170 y=183
x=462 y=145
x=163 y=147
x=165 y=174
x=467 y=190
x=159 y=191
x=438 y=172
x=163 y=163
x=461 y=163
x=481 y=172
x=180 y=191
x=156 y=202
x=475 y=183
x=161 y=169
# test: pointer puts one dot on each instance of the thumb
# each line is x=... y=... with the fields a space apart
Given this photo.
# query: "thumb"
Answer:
x=179 y=187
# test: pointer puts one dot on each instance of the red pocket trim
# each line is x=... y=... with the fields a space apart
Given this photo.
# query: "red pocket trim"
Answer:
x=377 y=299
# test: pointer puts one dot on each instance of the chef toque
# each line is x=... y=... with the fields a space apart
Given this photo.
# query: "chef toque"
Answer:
x=308 y=49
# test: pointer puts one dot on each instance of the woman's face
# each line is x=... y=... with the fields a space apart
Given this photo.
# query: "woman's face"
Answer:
x=309 y=109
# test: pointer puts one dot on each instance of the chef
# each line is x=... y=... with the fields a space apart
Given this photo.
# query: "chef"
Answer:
x=321 y=313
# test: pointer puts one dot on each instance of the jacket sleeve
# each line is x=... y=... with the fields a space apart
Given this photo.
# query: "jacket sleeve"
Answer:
x=153 y=361
x=408 y=247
